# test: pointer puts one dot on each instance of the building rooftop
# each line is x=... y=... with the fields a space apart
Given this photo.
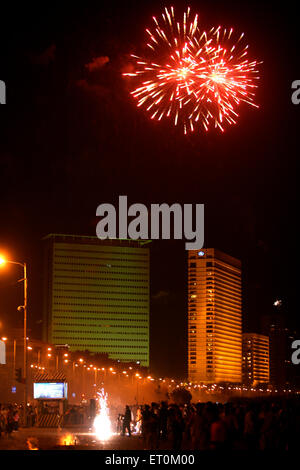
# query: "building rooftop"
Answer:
x=92 y=240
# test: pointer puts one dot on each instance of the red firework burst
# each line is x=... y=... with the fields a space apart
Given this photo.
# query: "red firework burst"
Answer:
x=193 y=77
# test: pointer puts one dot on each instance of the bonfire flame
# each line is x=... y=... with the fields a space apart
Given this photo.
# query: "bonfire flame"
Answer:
x=32 y=443
x=102 y=424
x=68 y=440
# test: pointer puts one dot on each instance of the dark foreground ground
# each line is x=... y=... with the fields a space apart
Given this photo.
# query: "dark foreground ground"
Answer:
x=79 y=438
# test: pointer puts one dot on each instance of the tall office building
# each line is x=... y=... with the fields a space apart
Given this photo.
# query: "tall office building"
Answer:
x=96 y=296
x=214 y=317
x=283 y=372
x=256 y=366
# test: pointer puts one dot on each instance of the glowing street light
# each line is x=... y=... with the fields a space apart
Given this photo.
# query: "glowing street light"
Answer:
x=23 y=307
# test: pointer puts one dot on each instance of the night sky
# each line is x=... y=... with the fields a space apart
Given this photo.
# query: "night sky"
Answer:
x=72 y=138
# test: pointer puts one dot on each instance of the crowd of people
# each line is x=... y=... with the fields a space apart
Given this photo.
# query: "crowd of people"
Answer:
x=11 y=415
x=257 y=425
x=250 y=425
x=75 y=415
x=9 y=419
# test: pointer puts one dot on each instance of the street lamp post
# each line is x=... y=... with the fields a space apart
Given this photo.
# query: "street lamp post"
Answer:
x=24 y=307
x=25 y=343
x=14 y=357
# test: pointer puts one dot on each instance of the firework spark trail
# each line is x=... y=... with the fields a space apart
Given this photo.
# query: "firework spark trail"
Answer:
x=193 y=77
x=102 y=424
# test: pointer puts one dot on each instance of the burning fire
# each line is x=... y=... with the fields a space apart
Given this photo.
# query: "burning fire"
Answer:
x=32 y=443
x=138 y=421
x=68 y=440
x=102 y=424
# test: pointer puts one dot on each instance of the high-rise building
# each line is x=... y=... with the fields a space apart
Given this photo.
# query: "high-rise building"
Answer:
x=256 y=367
x=214 y=317
x=282 y=371
x=96 y=296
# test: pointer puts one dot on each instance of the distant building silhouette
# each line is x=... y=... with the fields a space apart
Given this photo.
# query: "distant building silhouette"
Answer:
x=282 y=371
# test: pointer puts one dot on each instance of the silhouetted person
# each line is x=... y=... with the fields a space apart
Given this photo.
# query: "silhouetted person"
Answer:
x=218 y=433
x=251 y=428
x=163 y=420
x=176 y=426
x=127 y=421
x=153 y=428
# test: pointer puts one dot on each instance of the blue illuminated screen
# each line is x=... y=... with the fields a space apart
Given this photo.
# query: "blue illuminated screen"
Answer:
x=50 y=390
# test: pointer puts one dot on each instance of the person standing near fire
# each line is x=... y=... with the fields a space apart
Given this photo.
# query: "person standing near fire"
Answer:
x=127 y=421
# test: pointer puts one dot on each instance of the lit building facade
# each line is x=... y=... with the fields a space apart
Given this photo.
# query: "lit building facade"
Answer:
x=214 y=317
x=96 y=296
x=256 y=365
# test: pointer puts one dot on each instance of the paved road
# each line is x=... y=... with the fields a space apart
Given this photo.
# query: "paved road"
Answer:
x=55 y=438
